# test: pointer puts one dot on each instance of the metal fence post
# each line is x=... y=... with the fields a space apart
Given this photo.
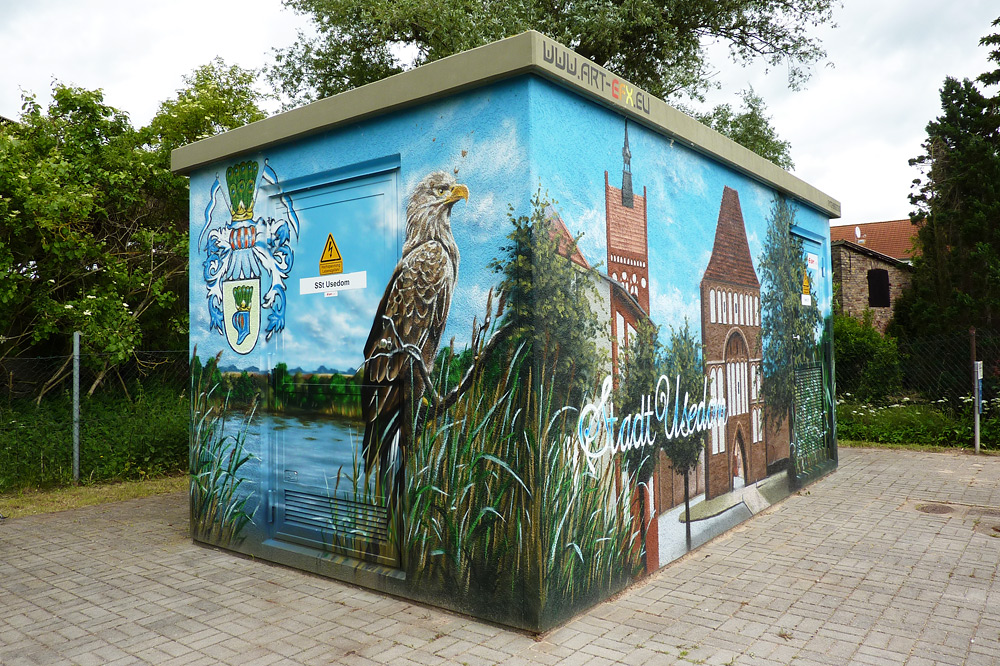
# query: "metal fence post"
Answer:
x=976 y=375
x=76 y=407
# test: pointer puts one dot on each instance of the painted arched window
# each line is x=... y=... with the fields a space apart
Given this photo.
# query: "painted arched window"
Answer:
x=711 y=306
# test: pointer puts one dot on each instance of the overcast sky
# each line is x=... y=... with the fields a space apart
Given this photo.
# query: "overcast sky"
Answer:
x=852 y=129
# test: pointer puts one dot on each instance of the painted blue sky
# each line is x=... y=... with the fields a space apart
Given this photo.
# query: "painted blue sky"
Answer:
x=683 y=190
x=483 y=137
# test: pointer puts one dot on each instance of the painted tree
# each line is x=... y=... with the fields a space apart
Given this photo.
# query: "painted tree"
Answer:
x=547 y=307
x=639 y=368
x=659 y=46
x=956 y=274
x=684 y=360
x=788 y=327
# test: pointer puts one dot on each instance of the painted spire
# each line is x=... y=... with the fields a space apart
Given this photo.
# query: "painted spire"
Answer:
x=626 y=172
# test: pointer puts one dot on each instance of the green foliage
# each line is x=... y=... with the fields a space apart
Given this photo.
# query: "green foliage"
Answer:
x=788 y=328
x=684 y=361
x=216 y=98
x=751 y=128
x=219 y=496
x=991 y=78
x=906 y=422
x=503 y=511
x=78 y=238
x=329 y=394
x=548 y=304
x=94 y=225
x=120 y=439
x=639 y=369
x=868 y=363
x=659 y=46
x=956 y=275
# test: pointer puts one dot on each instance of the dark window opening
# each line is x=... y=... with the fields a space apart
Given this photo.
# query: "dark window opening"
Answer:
x=878 y=288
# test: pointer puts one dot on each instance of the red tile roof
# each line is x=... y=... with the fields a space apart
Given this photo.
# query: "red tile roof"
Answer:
x=893 y=238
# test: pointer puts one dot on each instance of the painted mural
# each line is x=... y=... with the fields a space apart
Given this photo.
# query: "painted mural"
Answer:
x=445 y=367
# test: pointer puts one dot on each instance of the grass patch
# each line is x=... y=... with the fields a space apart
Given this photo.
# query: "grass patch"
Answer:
x=908 y=446
x=909 y=423
x=31 y=501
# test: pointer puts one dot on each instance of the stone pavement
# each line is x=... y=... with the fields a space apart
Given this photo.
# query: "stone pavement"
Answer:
x=850 y=570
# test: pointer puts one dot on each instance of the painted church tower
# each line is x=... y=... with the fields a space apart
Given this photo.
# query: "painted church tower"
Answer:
x=628 y=255
x=730 y=334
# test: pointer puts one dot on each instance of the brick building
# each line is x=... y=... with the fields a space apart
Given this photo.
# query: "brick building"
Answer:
x=871 y=263
x=628 y=255
x=730 y=330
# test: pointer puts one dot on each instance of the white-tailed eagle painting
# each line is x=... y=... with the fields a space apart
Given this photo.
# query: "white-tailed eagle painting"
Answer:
x=409 y=321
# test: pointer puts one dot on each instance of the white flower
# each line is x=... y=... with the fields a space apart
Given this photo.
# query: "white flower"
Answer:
x=68 y=306
x=86 y=312
x=91 y=296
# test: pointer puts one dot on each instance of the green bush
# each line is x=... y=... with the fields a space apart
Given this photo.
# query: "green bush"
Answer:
x=905 y=422
x=120 y=438
x=867 y=363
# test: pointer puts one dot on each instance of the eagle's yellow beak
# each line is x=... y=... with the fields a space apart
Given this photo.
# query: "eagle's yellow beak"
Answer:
x=457 y=192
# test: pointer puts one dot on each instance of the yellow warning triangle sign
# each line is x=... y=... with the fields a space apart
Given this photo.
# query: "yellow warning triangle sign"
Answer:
x=331 y=261
x=330 y=251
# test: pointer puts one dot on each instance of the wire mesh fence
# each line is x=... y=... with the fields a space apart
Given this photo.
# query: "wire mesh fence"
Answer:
x=133 y=418
x=920 y=390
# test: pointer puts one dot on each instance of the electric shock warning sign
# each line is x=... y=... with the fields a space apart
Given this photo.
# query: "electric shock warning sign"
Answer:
x=331 y=262
x=332 y=278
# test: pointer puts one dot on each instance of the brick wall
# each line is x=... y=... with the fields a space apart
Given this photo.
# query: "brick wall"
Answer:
x=850 y=270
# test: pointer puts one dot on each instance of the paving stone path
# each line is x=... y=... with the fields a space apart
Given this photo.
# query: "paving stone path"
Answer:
x=890 y=560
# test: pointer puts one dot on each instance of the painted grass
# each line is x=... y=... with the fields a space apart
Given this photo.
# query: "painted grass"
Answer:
x=503 y=511
x=219 y=512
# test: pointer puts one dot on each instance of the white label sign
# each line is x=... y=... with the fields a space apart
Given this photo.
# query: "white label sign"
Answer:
x=331 y=284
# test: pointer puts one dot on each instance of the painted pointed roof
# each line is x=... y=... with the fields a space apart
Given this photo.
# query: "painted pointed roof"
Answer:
x=559 y=231
x=731 y=260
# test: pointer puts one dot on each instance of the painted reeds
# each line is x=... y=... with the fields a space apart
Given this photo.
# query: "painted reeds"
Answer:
x=503 y=513
x=218 y=506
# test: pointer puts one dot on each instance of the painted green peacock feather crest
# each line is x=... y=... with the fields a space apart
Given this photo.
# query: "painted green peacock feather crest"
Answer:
x=240 y=180
x=243 y=295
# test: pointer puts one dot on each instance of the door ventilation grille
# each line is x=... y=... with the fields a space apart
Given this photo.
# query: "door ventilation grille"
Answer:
x=337 y=516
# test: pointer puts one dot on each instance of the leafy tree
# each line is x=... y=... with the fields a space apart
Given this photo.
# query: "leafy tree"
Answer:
x=660 y=46
x=84 y=246
x=93 y=226
x=956 y=275
x=788 y=328
x=216 y=98
x=750 y=127
x=639 y=371
x=992 y=78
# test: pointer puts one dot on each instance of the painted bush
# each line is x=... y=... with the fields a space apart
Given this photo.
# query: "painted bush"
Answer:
x=497 y=358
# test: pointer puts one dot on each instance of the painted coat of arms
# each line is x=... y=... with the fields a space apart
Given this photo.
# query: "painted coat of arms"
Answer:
x=247 y=260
